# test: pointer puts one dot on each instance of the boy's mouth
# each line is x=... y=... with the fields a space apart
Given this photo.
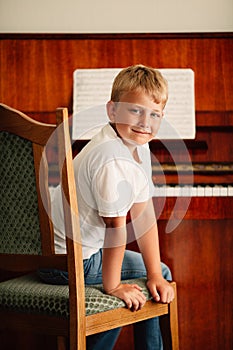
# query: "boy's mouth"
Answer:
x=140 y=131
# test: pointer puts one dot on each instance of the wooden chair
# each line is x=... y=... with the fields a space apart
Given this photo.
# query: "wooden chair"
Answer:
x=27 y=243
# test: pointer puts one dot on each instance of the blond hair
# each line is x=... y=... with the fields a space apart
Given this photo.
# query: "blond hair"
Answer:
x=140 y=78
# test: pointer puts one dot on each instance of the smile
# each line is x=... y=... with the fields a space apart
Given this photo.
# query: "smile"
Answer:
x=142 y=132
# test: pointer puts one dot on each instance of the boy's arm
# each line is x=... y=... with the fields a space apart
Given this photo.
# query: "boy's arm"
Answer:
x=113 y=254
x=146 y=232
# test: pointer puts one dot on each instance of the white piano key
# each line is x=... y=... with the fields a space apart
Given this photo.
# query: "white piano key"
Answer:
x=170 y=191
x=193 y=191
x=230 y=191
x=208 y=191
x=200 y=191
x=156 y=192
x=160 y=191
x=187 y=191
x=216 y=191
x=223 y=191
x=163 y=191
x=182 y=192
x=177 y=191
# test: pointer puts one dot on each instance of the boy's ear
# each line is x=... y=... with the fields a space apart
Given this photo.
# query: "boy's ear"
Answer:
x=111 y=111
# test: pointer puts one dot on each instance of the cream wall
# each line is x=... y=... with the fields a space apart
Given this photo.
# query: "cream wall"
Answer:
x=108 y=16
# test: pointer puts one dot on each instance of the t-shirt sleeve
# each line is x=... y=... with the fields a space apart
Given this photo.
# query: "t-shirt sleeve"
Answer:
x=117 y=185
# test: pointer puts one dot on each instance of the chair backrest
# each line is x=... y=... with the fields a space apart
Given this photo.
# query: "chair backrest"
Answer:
x=26 y=230
x=25 y=225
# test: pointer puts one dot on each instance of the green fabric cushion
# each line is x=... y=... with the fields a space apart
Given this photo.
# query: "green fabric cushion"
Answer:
x=19 y=221
x=29 y=295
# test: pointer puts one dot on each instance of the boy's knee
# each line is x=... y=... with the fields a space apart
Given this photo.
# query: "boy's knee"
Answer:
x=166 y=272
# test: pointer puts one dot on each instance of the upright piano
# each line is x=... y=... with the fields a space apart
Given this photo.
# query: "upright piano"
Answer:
x=194 y=205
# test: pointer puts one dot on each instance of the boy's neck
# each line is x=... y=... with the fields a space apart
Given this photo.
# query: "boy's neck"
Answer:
x=131 y=146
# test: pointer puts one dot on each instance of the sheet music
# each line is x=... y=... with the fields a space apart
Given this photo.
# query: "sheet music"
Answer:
x=92 y=89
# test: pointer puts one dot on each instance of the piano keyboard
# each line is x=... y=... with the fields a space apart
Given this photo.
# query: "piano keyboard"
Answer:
x=193 y=191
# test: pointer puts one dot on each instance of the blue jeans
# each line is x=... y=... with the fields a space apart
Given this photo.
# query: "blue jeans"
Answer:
x=147 y=334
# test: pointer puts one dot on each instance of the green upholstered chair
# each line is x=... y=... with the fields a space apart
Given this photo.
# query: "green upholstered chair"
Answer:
x=27 y=243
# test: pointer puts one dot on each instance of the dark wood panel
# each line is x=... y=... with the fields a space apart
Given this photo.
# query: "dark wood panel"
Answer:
x=37 y=74
x=195 y=208
x=199 y=253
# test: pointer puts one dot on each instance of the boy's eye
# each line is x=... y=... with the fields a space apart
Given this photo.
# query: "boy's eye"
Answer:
x=141 y=112
x=136 y=111
x=155 y=115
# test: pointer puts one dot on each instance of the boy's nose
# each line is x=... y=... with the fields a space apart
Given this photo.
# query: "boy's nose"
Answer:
x=144 y=121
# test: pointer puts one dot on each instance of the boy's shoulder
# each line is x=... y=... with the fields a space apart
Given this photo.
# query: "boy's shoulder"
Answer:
x=103 y=145
x=105 y=141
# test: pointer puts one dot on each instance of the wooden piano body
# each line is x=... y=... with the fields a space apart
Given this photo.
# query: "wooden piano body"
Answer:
x=199 y=248
x=195 y=232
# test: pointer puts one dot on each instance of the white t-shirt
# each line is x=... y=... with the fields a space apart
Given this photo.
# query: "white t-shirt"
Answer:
x=108 y=182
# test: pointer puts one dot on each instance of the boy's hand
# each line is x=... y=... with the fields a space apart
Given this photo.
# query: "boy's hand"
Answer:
x=160 y=289
x=131 y=294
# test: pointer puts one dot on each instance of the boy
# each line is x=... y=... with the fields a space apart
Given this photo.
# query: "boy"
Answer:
x=113 y=177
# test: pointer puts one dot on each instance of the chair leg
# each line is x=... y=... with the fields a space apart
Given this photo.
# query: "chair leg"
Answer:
x=169 y=326
x=62 y=343
x=174 y=322
x=165 y=327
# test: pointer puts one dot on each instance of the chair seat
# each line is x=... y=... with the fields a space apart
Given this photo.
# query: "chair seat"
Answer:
x=29 y=295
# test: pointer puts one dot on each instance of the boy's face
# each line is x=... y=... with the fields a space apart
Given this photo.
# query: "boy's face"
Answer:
x=136 y=117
